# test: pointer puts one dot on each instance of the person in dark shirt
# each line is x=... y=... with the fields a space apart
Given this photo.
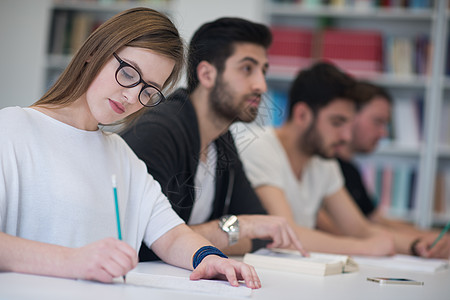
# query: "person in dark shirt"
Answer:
x=369 y=126
x=189 y=150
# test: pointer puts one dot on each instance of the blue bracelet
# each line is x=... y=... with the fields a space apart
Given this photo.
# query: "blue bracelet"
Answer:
x=204 y=252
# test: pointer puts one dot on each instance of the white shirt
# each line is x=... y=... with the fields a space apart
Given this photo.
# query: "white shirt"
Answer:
x=266 y=163
x=205 y=187
x=56 y=186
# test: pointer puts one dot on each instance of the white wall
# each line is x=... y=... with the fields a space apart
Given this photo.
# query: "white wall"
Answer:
x=23 y=40
x=190 y=14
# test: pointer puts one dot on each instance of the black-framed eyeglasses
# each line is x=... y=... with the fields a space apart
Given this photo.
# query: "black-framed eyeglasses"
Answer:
x=128 y=77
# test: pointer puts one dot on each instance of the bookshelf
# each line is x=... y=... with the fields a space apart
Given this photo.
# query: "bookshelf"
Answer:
x=409 y=67
x=71 y=21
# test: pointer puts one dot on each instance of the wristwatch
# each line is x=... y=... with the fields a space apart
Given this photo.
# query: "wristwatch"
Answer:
x=230 y=224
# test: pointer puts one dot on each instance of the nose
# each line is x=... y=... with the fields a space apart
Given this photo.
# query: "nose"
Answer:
x=346 y=132
x=132 y=94
x=259 y=83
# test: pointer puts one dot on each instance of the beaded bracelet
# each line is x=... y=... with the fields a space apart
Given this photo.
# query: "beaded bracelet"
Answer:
x=204 y=252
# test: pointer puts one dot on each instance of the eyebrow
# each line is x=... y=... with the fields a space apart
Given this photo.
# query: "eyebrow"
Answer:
x=254 y=61
x=339 y=118
x=136 y=66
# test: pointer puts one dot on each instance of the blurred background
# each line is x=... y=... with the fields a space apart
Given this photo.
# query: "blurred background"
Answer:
x=401 y=45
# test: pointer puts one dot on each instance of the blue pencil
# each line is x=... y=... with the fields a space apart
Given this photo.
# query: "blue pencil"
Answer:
x=444 y=231
x=116 y=201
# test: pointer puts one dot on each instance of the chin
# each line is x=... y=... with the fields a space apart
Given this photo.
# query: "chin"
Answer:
x=247 y=118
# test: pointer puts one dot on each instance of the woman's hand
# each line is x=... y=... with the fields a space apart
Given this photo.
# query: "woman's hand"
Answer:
x=213 y=266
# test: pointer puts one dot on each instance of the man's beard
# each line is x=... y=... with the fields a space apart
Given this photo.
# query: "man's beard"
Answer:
x=221 y=104
x=309 y=144
x=313 y=144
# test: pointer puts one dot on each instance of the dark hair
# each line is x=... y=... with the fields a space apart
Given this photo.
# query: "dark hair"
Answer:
x=214 y=42
x=319 y=85
x=364 y=92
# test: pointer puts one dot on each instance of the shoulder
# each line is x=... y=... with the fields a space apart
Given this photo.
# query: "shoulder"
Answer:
x=177 y=109
x=174 y=118
x=252 y=138
x=15 y=121
x=325 y=167
x=10 y=115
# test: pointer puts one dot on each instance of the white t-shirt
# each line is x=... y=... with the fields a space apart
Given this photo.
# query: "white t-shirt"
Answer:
x=205 y=187
x=266 y=163
x=56 y=184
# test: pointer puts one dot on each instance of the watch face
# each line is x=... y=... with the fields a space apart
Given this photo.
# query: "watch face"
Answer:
x=229 y=222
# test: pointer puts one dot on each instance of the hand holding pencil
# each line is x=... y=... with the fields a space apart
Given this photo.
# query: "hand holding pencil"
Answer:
x=116 y=204
x=435 y=245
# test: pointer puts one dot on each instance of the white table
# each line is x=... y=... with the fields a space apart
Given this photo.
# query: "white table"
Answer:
x=276 y=285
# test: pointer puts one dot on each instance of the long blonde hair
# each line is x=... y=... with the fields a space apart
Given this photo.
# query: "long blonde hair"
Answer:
x=136 y=27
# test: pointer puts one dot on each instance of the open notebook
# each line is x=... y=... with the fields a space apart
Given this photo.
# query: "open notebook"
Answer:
x=214 y=287
x=404 y=262
x=292 y=261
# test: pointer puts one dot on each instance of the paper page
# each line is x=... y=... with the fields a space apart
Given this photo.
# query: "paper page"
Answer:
x=314 y=256
x=216 y=287
x=404 y=262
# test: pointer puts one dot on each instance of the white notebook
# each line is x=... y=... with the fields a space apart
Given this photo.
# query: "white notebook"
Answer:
x=404 y=262
x=217 y=287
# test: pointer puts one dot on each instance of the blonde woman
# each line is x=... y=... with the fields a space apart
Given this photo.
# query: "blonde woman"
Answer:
x=57 y=210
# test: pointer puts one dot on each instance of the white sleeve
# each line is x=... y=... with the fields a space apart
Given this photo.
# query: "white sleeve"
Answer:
x=262 y=163
x=163 y=217
x=334 y=178
x=150 y=209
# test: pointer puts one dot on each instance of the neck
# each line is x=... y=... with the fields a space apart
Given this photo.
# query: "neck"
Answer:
x=75 y=114
x=290 y=139
x=210 y=125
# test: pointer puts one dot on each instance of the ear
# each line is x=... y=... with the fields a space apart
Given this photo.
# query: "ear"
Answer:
x=206 y=73
x=302 y=114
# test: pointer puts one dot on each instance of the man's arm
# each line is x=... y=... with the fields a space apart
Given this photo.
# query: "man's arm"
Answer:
x=264 y=227
x=101 y=261
x=363 y=242
x=349 y=220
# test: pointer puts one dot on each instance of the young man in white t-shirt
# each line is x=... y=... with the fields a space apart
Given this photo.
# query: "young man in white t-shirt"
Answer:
x=290 y=170
x=368 y=127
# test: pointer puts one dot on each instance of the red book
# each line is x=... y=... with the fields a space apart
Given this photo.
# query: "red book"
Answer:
x=357 y=52
x=291 y=49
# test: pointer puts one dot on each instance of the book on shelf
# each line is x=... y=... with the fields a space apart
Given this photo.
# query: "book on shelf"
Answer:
x=291 y=49
x=444 y=127
x=83 y=24
x=60 y=20
x=320 y=264
x=392 y=186
x=359 y=52
x=407 y=122
x=441 y=205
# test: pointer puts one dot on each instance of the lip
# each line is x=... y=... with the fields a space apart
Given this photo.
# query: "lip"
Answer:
x=254 y=101
x=117 y=106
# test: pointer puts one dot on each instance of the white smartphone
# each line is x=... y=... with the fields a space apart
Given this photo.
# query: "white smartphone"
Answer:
x=388 y=280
